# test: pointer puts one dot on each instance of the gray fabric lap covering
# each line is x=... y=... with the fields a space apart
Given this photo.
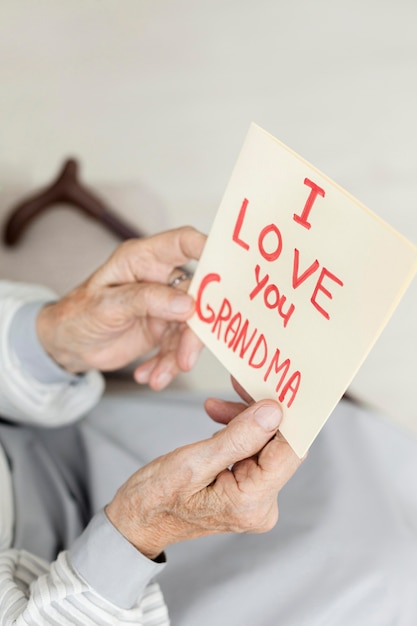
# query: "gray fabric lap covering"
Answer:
x=344 y=551
x=51 y=498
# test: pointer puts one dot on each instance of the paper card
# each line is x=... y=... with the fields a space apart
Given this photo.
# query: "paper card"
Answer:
x=295 y=284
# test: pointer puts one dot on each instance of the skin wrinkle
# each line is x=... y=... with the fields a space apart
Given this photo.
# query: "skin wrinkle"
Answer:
x=242 y=512
x=138 y=266
x=114 y=306
x=228 y=482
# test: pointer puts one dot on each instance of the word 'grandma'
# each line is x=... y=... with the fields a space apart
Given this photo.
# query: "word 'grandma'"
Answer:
x=246 y=341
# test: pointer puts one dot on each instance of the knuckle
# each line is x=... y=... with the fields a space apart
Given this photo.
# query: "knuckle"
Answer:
x=125 y=248
x=259 y=519
x=238 y=443
x=187 y=229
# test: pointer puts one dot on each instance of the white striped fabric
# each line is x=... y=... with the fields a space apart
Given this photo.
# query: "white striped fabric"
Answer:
x=34 y=593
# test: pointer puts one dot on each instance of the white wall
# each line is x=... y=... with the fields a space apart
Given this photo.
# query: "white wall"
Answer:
x=162 y=92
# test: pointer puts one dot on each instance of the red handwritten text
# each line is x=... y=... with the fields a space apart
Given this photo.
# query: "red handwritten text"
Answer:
x=247 y=341
x=270 y=246
x=271 y=295
x=315 y=191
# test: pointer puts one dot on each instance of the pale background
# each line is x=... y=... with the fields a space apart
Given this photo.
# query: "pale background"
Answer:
x=155 y=97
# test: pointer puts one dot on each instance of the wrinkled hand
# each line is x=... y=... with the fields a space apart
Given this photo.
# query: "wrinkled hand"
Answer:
x=226 y=483
x=126 y=309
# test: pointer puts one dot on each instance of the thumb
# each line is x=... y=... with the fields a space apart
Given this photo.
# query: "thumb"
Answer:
x=243 y=437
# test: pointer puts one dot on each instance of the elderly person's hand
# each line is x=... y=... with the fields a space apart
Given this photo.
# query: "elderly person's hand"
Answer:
x=229 y=482
x=128 y=308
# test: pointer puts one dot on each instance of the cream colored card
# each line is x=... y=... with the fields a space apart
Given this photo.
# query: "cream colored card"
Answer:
x=295 y=284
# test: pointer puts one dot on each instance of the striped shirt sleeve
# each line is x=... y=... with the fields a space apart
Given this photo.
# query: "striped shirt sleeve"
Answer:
x=102 y=579
x=32 y=593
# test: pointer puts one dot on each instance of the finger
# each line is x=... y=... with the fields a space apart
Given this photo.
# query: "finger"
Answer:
x=243 y=437
x=278 y=461
x=223 y=411
x=177 y=247
x=153 y=300
x=143 y=372
x=166 y=366
x=159 y=371
x=179 y=353
x=241 y=391
x=164 y=372
x=189 y=349
x=152 y=258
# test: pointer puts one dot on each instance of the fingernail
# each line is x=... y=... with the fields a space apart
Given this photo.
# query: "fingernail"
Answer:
x=268 y=416
x=181 y=303
x=192 y=359
x=163 y=380
x=142 y=376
